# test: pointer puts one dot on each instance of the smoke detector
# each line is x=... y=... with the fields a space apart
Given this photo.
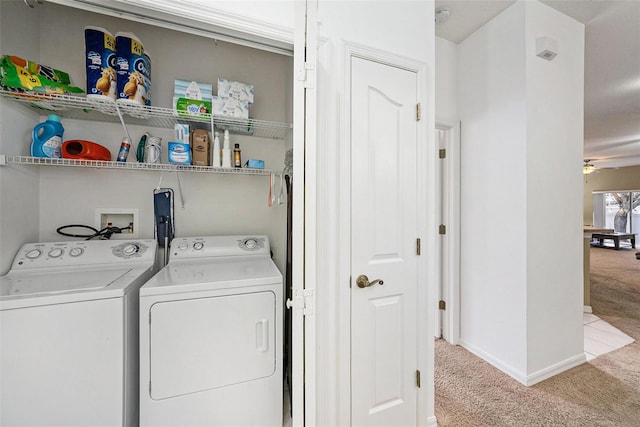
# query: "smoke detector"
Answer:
x=442 y=15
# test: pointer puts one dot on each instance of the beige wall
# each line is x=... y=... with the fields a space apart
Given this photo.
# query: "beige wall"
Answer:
x=608 y=179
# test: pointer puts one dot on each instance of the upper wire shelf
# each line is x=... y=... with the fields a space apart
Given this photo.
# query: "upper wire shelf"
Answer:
x=99 y=164
x=83 y=108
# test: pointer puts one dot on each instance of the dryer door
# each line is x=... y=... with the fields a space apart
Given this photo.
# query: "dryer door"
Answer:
x=207 y=343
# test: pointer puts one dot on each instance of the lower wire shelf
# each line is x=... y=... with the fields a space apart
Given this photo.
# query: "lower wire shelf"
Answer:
x=99 y=164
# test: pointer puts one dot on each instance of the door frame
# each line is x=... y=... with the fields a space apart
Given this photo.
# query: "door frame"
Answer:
x=333 y=221
x=448 y=288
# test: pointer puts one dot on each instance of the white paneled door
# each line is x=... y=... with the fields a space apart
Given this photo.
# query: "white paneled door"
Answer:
x=384 y=229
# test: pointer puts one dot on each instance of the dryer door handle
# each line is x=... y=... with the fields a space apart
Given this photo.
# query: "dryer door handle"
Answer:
x=262 y=335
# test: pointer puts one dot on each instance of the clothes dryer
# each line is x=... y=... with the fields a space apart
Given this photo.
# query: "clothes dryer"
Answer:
x=69 y=333
x=211 y=335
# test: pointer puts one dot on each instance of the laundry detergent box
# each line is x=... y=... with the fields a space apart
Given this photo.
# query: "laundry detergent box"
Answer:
x=200 y=148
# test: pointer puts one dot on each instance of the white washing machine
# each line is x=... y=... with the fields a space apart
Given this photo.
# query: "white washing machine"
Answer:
x=211 y=335
x=69 y=333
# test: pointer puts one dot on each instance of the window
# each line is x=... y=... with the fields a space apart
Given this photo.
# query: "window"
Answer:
x=619 y=210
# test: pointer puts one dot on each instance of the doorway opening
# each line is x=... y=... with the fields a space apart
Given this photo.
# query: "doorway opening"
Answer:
x=447 y=292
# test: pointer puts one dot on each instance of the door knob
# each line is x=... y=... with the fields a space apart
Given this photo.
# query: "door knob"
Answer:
x=363 y=281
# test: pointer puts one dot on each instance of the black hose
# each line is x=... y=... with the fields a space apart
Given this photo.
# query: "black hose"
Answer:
x=104 y=234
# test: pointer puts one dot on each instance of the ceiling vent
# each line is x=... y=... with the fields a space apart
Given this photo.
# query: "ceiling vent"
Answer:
x=546 y=48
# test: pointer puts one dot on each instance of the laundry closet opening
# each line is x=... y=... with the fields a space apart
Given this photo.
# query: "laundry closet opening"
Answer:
x=208 y=201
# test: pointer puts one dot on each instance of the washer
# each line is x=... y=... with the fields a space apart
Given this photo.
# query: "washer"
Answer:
x=69 y=333
x=211 y=335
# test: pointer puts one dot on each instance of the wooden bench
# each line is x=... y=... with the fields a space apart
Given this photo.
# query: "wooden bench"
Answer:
x=616 y=237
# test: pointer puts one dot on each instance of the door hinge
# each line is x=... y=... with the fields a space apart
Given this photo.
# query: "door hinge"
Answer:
x=442 y=305
x=442 y=153
x=306 y=74
x=418 y=378
x=304 y=302
x=418 y=246
x=442 y=229
x=418 y=112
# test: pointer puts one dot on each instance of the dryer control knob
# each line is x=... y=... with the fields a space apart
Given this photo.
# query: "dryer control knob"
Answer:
x=55 y=253
x=76 y=252
x=198 y=246
x=251 y=243
x=33 y=253
x=183 y=246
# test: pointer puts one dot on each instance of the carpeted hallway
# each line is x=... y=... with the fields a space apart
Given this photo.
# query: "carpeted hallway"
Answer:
x=602 y=392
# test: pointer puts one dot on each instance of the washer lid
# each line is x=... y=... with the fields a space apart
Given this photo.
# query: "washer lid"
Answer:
x=48 y=283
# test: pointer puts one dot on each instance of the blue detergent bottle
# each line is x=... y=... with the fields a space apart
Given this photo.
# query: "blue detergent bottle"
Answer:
x=47 y=138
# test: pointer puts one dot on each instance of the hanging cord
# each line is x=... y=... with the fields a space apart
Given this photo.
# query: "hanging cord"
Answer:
x=180 y=190
x=104 y=234
x=126 y=131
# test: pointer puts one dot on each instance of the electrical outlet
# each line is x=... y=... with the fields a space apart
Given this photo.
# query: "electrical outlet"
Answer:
x=127 y=219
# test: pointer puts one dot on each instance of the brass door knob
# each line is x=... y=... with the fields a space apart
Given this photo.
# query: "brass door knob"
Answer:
x=363 y=281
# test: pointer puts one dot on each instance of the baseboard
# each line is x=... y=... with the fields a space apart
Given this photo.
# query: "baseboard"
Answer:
x=552 y=370
x=521 y=377
x=507 y=369
x=588 y=309
x=431 y=421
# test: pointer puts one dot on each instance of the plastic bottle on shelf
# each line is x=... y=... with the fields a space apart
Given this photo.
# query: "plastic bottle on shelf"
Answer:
x=125 y=146
x=47 y=138
x=226 y=151
x=216 y=152
x=237 y=159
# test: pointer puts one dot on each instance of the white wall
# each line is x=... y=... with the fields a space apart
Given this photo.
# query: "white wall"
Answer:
x=446 y=108
x=214 y=204
x=521 y=291
x=19 y=212
x=555 y=111
x=492 y=108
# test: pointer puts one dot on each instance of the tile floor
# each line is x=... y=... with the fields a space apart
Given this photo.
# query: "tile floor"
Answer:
x=600 y=337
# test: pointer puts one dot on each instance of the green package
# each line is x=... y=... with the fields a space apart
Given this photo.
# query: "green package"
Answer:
x=187 y=107
x=23 y=75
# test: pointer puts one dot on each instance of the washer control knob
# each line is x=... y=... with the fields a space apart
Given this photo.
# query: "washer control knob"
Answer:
x=55 y=252
x=33 y=253
x=251 y=243
x=74 y=252
x=183 y=246
x=130 y=249
x=198 y=246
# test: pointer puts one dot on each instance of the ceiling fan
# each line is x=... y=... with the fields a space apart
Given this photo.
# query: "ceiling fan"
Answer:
x=588 y=168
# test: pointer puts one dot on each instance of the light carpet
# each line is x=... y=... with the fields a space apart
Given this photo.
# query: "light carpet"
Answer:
x=602 y=392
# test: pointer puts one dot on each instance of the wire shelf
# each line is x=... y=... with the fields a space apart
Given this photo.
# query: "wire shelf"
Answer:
x=104 y=109
x=99 y=164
